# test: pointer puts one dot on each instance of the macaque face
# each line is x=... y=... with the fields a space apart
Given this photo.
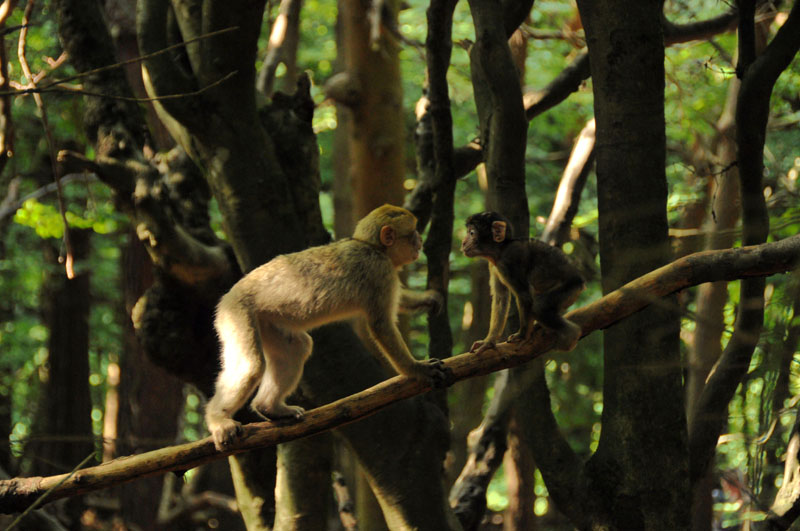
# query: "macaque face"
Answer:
x=404 y=249
x=469 y=245
x=486 y=232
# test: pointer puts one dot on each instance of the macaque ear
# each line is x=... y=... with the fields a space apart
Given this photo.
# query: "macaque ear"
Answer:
x=498 y=231
x=387 y=235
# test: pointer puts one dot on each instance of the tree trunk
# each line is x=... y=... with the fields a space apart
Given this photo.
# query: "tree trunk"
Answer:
x=377 y=128
x=641 y=464
x=303 y=488
x=64 y=422
x=503 y=126
x=150 y=398
x=520 y=470
x=706 y=347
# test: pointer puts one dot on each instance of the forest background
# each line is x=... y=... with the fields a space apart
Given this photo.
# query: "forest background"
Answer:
x=254 y=129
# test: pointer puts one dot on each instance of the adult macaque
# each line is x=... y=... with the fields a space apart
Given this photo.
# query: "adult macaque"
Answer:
x=540 y=276
x=262 y=322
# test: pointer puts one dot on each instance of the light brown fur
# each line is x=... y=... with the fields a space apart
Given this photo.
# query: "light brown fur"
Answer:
x=262 y=322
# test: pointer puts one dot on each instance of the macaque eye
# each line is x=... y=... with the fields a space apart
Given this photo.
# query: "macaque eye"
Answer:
x=412 y=237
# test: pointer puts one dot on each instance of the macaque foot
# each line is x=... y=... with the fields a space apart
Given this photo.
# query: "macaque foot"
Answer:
x=279 y=411
x=567 y=338
x=480 y=346
x=516 y=337
x=225 y=433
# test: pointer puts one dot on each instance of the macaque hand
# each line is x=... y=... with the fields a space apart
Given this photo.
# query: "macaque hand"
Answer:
x=431 y=301
x=435 y=301
x=435 y=373
x=482 y=345
x=567 y=338
x=226 y=433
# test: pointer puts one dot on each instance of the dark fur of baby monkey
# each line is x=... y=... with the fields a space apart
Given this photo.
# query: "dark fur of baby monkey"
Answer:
x=541 y=277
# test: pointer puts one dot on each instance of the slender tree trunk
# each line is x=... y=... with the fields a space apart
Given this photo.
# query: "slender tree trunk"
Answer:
x=520 y=470
x=467 y=398
x=64 y=422
x=150 y=398
x=376 y=144
x=706 y=347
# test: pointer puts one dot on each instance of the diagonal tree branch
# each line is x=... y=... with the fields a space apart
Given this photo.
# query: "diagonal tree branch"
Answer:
x=747 y=262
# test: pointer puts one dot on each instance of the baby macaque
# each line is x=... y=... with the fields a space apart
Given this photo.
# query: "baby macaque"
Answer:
x=262 y=322
x=540 y=276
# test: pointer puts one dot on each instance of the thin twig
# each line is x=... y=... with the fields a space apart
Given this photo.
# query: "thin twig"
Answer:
x=81 y=92
x=26 y=69
x=139 y=59
x=11 y=207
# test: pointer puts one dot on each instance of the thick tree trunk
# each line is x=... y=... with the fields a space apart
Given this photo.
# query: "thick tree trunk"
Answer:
x=640 y=469
x=377 y=127
x=303 y=487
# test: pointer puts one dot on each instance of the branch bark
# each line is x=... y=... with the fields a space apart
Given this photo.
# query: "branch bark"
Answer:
x=708 y=266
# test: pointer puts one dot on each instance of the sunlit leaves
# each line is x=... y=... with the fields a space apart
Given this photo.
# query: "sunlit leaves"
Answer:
x=47 y=222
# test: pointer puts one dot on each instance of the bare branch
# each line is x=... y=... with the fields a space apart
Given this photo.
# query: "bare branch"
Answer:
x=81 y=92
x=564 y=84
x=283 y=41
x=23 y=35
x=704 y=29
x=565 y=206
x=49 y=87
x=11 y=204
